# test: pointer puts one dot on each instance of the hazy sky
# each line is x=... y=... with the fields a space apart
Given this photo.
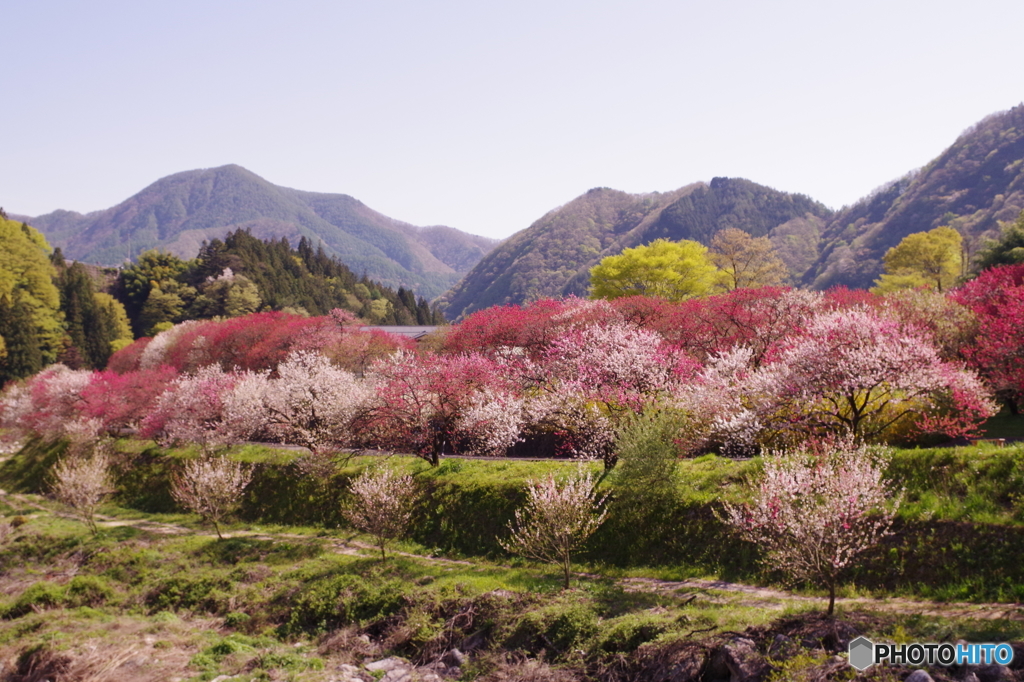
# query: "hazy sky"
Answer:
x=485 y=115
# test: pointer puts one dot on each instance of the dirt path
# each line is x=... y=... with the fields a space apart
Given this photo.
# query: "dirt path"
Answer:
x=708 y=590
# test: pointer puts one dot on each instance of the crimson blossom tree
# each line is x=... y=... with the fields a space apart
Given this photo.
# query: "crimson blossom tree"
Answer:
x=997 y=298
x=814 y=515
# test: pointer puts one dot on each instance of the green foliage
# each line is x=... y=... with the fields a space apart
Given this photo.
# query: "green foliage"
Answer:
x=625 y=633
x=662 y=269
x=189 y=592
x=96 y=323
x=40 y=595
x=330 y=602
x=561 y=627
x=89 y=590
x=1007 y=250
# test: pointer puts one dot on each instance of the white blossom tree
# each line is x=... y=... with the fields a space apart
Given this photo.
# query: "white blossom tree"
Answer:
x=557 y=519
x=82 y=483
x=814 y=515
x=382 y=505
x=211 y=487
x=312 y=403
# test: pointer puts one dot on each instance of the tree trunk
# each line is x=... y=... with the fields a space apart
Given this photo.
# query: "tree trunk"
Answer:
x=831 y=598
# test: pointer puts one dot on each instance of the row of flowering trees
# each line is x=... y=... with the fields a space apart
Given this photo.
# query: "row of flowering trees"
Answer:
x=748 y=369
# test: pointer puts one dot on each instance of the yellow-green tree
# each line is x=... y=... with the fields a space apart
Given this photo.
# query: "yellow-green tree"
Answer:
x=931 y=260
x=662 y=269
x=30 y=319
x=746 y=262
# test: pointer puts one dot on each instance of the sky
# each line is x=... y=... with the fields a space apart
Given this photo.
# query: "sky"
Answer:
x=486 y=115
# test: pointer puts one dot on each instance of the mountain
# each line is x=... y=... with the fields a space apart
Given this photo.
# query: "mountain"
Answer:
x=972 y=186
x=553 y=256
x=179 y=212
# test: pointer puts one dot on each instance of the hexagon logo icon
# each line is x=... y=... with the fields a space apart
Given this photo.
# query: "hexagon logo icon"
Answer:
x=862 y=653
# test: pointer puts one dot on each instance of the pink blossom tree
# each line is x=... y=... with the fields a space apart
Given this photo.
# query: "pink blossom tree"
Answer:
x=815 y=515
x=312 y=403
x=48 y=403
x=422 y=402
x=858 y=373
x=191 y=410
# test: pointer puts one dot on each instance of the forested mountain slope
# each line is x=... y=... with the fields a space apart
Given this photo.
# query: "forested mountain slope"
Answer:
x=553 y=256
x=972 y=186
x=178 y=213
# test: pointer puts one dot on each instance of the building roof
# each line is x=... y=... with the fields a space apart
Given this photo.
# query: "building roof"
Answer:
x=413 y=332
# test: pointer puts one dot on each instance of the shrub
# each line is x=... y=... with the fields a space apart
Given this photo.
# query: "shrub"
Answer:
x=88 y=590
x=41 y=595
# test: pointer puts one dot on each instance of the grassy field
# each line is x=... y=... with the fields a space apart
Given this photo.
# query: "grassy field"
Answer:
x=146 y=602
x=294 y=594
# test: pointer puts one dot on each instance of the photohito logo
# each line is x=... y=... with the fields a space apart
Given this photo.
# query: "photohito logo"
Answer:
x=864 y=653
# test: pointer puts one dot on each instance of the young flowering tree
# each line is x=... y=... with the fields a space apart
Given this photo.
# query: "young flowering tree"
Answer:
x=382 y=505
x=815 y=515
x=211 y=487
x=556 y=520
x=82 y=483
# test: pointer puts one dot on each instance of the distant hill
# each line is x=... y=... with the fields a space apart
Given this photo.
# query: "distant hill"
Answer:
x=179 y=212
x=553 y=256
x=972 y=186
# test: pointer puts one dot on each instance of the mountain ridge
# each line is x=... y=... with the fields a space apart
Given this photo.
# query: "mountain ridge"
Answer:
x=178 y=212
x=553 y=256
